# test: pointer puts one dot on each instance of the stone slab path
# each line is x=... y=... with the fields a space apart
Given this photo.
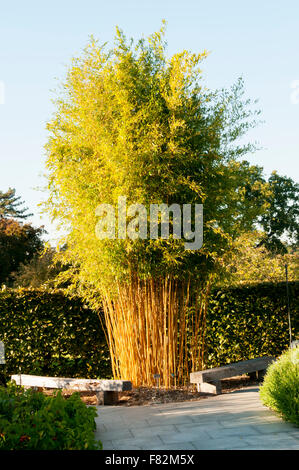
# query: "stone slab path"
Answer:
x=234 y=420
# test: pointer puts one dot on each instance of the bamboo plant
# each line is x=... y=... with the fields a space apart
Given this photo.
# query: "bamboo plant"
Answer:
x=131 y=121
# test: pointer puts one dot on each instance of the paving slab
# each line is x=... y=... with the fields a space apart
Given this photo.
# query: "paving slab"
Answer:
x=236 y=420
x=154 y=430
x=176 y=446
x=140 y=442
x=224 y=443
x=274 y=427
x=187 y=436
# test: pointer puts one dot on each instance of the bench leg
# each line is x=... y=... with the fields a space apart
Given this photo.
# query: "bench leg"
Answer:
x=110 y=398
x=218 y=387
x=261 y=374
x=107 y=398
x=213 y=387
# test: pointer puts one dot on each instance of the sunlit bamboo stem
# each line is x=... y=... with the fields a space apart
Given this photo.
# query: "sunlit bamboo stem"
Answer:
x=155 y=326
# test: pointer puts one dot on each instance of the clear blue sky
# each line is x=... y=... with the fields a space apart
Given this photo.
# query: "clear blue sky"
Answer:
x=258 y=40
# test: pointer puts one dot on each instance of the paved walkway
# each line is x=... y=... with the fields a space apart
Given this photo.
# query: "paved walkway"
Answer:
x=230 y=421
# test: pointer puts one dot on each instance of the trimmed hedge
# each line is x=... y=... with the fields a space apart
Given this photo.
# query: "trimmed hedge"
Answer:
x=250 y=321
x=48 y=333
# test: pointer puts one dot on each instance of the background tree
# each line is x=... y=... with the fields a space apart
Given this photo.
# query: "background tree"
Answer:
x=281 y=220
x=250 y=262
x=132 y=122
x=40 y=271
x=10 y=206
x=18 y=244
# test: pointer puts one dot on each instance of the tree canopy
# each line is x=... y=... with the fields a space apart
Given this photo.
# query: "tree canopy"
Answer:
x=132 y=122
x=281 y=220
x=18 y=244
x=251 y=262
x=40 y=271
x=10 y=206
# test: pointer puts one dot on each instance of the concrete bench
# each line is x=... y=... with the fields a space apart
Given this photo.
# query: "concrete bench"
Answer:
x=209 y=380
x=106 y=390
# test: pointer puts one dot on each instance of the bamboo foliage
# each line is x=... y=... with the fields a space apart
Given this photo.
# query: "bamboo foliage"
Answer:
x=152 y=328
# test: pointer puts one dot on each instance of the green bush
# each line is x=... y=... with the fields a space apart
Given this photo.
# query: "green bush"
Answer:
x=49 y=333
x=280 y=390
x=31 y=421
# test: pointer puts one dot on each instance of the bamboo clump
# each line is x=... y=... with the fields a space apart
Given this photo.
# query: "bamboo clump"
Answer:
x=155 y=326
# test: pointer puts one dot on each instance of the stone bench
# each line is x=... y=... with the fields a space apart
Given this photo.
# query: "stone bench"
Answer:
x=209 y=380
x=106 y=390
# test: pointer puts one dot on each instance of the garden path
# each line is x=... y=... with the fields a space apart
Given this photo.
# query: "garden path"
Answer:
x=234 y=420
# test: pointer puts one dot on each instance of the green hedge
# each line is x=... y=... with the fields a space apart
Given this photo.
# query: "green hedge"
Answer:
x=250 y=321
x=47 y=333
